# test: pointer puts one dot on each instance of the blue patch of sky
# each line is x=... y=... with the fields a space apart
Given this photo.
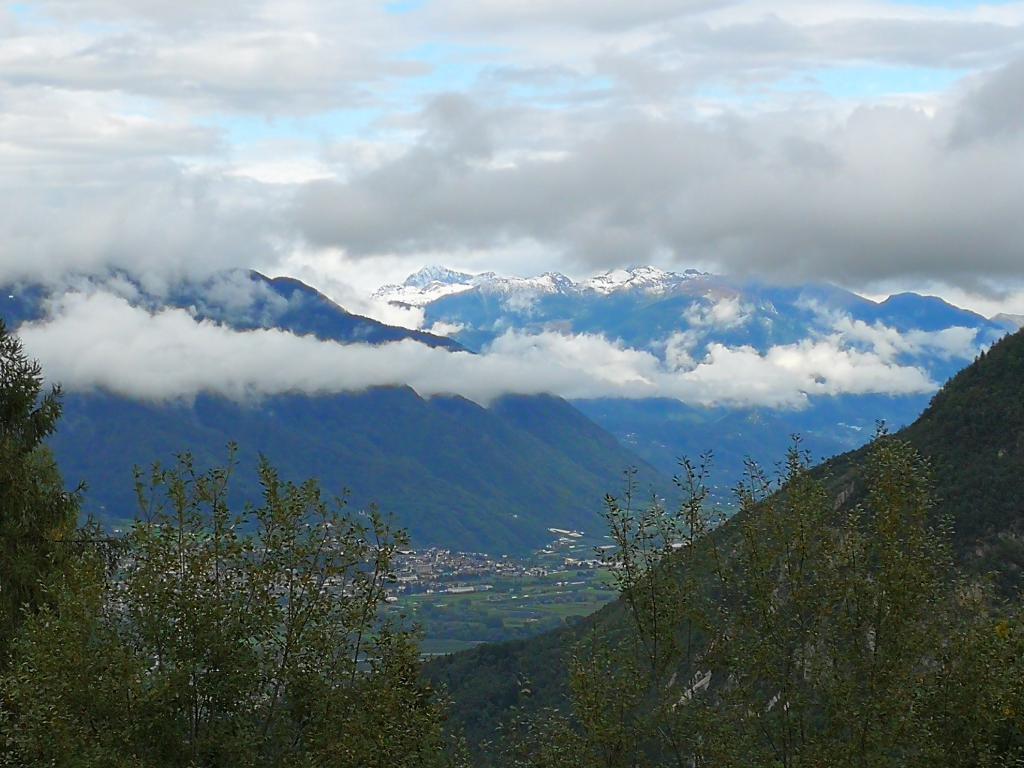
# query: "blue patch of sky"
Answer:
x=34 y=16
x=859 y=82
x=554 y=95
x=27 y=13
x=399 y=7
x=953 y=5
x=462 y=68
x=446 y=68
x=868 y=82
x=251 y=129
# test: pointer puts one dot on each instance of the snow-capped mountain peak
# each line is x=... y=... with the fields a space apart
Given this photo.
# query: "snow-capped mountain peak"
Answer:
x=427 y=285
x=549 y=282
x=646 y=278
x=436 y=274
x=432 y=283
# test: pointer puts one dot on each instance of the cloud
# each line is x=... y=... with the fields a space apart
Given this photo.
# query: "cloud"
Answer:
x=994 y=108
x=152 y=220
x=725 y=312
x=261 y=57
x=888 y=200
x=954 y=343
x=99 y=340
x=598 y=15
x=442 y=328
x=136 y=136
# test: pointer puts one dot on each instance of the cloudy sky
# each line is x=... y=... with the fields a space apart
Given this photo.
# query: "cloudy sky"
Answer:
x=872 y=143
x=879 y=145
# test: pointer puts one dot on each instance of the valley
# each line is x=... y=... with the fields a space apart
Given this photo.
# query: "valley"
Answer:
x=457 y=600
x=511 y=384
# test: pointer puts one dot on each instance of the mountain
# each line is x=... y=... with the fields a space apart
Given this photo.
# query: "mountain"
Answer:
x=240 y=299
x=972 y=432
x=662 y=430
x=973 y=435
x=454 y=473
x=426 y=285
x=644 y=307
x=434 y=282
x=682 y=318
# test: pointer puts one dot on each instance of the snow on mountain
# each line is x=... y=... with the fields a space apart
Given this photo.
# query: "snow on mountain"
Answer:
x=643 y=278
x=549 y=282
x=436 y=275
x=425 y=286
x=432 y=283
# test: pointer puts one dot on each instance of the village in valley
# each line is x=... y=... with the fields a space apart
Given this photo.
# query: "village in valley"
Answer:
x=434 y=570
x=460 y=599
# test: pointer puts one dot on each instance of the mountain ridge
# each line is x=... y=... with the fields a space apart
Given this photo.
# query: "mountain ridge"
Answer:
x=454 y=473
x=685 y=319
x=434 y=282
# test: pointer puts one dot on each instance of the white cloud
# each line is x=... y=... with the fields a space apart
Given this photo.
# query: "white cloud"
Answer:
x=167 y=139
x=442 y=328
x=725 y=312
x=679 y=350
x=99 y=340
x=956 y=342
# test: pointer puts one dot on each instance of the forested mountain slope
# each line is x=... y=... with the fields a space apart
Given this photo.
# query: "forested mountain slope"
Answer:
x=973 y=435
x=453 y=473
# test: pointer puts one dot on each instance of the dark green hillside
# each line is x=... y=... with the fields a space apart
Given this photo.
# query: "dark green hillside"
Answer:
x=453 y=473
x=973 y=435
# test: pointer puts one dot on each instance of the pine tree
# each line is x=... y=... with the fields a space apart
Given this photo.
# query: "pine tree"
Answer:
x=37 y=515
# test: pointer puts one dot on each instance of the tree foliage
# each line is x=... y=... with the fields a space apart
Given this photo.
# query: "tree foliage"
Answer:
x=37 y=516
x=223 y=638
x=808 y=635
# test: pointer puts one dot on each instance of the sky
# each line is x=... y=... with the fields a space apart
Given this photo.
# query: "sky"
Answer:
x=878 y=145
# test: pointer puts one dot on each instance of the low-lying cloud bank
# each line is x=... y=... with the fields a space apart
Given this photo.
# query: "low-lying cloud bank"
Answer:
x=100 y=341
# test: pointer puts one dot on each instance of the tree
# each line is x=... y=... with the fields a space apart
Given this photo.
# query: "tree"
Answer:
x=802 y=633
x=645 y=686
x=225 y=638
x=37 y=516
x=838 y=615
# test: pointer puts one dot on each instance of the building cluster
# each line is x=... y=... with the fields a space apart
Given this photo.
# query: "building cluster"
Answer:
x=441 y=570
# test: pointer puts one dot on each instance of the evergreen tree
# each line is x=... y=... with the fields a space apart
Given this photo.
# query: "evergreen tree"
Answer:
x=37 y=516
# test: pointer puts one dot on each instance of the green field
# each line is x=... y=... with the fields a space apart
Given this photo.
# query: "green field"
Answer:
x=513 y=608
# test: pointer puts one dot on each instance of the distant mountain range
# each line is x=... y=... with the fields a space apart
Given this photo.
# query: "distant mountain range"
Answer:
x=644 y=306
x=243 y=300
x=432 y=283
x=683 y=317
x=453 y=473
x=496 y=478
